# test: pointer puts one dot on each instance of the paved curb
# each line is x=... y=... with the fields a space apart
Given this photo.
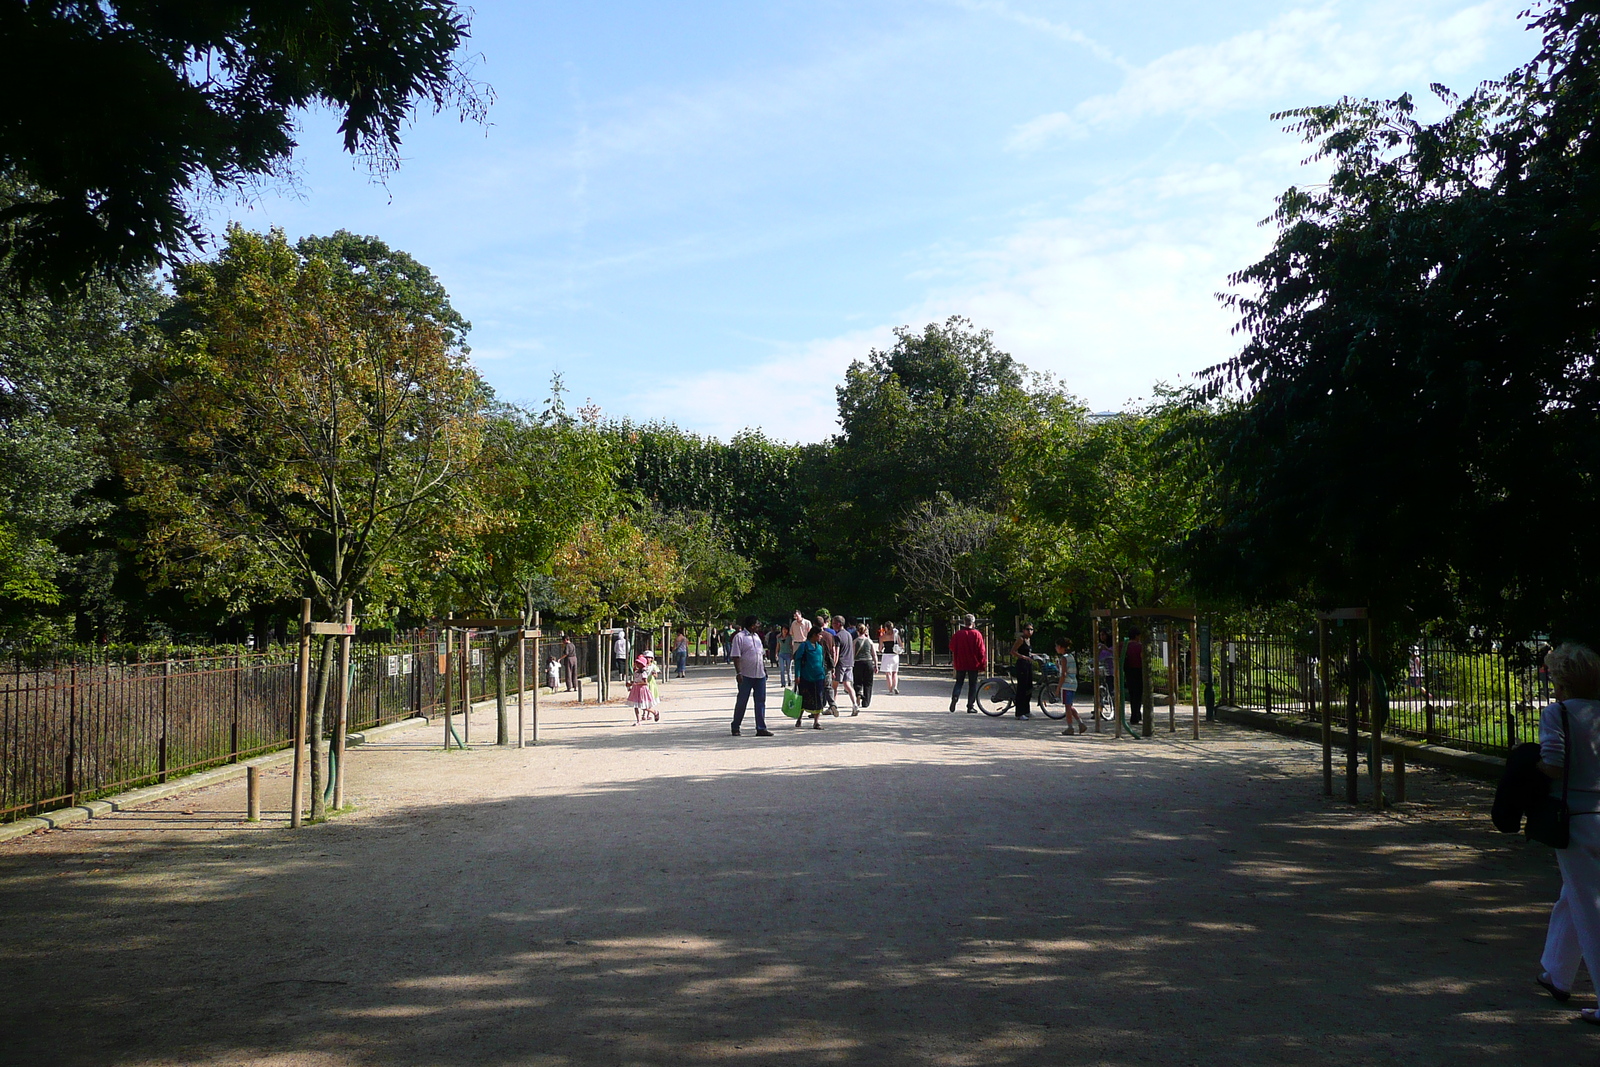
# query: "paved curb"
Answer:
x=1472 y=764
x=55 y=820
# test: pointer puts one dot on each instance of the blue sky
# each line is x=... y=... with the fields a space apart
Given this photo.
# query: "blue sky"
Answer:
x=702 y=211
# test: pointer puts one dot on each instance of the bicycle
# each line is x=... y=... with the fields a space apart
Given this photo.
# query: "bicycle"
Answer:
x=998 y=695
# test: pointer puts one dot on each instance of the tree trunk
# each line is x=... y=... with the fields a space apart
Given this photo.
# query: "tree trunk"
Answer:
x=502 y=718
x=314 y=732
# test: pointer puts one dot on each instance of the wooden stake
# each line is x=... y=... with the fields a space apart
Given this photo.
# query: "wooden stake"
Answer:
x=302 y=702
x=344 y=709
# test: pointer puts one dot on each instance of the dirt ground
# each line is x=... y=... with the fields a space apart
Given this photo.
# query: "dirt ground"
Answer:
x=906 y=887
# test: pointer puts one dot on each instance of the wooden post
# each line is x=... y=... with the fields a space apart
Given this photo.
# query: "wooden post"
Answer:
x=448 y=677
x=1375 y=757
x=522 y=681
x=252 y=793
x=344 y=708
x=1399 y=775
x=466 y=687
x=1194 y=668
x=1147 y=714
x=1327 y=710
x=1352 y=764
x=538 y=666
x=1094 y=652
x=302 y=702
x=1116 y=674
x=1172 y=676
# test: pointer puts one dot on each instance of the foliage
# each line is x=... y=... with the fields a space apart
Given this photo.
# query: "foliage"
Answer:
x=714 y=577
x=942 y=411
x=611 y=569
x=64 y=365
x=1420 y=351
x=1109 y=505
x=944 y=556
x=118 y=110
x=304 y=438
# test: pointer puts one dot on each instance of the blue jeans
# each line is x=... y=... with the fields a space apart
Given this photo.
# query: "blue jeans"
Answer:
x=784 y=659
x=758 y=686
x=682 y=659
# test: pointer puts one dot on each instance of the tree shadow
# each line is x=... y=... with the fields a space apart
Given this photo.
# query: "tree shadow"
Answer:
x=1100 y=905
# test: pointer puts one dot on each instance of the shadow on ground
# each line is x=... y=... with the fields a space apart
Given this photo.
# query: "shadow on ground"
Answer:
x=1097 y=905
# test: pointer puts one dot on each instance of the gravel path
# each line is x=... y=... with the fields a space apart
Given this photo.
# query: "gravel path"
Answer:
x=906 y=887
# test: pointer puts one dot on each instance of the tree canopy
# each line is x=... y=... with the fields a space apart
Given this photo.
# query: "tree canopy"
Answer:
x=118 y=111
x=1419 y=417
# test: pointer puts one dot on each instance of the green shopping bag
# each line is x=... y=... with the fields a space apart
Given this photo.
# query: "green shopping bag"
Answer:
x=791 y=703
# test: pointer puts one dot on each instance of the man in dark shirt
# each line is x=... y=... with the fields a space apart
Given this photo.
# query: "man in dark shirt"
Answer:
x=1133 y=661
x=824 y=636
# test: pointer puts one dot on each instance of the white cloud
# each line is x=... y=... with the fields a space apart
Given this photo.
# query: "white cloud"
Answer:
x=1307 y=55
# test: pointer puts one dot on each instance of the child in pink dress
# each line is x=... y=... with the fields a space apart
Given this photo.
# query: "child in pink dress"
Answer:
x=640 y=699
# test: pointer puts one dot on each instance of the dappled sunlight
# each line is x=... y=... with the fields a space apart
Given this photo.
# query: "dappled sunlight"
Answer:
x=903 y=896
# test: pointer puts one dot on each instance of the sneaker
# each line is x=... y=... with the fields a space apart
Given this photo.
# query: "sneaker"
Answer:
x=763 y=733
x=952 y=707
x=972 y=711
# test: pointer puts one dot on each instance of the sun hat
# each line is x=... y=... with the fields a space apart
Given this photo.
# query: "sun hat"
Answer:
x=639 y=660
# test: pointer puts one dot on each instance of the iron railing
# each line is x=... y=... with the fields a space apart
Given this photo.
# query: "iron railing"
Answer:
x=1484 y=698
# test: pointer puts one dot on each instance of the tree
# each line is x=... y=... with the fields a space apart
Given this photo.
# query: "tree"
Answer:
x=539 y=480
x=64 y=367
x=943 y=556
x=118 y=110
x=303 y=437
x=1416 y=422
x=713 y=577
x=612 y=569
x=1107 y=507
x=942 y=411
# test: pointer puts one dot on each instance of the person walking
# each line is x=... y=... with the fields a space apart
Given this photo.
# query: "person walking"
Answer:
x=889 y=657
x=968 y=655
x=864 y=666
x=1023 y=651
x=1068 y=665
x=569 y=661
x=785 y=656
x=810 y=680
x=640 y=696
x=844 y=666
x=824 y=636
x=680 y=653
x=799 y=628
x=751 y=668
x=619 y=656
x=1569 y=753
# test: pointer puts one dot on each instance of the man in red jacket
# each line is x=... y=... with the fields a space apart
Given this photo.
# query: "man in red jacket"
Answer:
x=968 y=656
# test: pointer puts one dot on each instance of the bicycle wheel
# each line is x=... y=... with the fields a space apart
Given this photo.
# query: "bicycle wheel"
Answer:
x=1107 y=710
x=995 y=696
x=1050 y=703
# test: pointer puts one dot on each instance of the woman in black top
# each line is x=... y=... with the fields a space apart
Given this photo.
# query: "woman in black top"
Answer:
x=1023 y=650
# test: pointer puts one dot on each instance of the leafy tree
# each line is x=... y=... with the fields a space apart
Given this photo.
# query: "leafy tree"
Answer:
x=942 y=411
x=64 y=366
x=1108 y=506
x=713 y=577
x=611 y=569
x=1418 y=425
x=539 y=480
x=944 y=556
x=118 y=110
x=303 y=437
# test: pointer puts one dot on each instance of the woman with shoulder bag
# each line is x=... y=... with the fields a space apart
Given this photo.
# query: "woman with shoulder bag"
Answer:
x=1569 y=754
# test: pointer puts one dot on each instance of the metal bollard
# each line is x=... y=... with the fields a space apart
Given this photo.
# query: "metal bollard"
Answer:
x=252 y=794
x=1399 y=776
x=580 y=690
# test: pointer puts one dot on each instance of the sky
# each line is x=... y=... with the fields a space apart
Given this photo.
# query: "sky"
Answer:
x=702 y=212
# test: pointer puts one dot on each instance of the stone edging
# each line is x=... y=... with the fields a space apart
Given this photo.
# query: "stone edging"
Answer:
x=55 y=820
x=1473 y=764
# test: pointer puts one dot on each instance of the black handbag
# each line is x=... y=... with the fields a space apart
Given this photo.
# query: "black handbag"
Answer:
x=1549 y=821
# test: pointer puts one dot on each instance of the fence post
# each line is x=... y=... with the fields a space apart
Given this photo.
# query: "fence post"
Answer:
x=302 y=704
x=1352 y=766
x=72 y=738
x=161 y=746
x=1327 y=709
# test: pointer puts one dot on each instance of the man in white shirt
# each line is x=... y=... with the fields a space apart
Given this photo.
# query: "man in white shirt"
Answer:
x=750 y=661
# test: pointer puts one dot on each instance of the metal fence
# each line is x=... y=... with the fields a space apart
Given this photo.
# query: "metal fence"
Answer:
x=1484 y=699
x=73 y=732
